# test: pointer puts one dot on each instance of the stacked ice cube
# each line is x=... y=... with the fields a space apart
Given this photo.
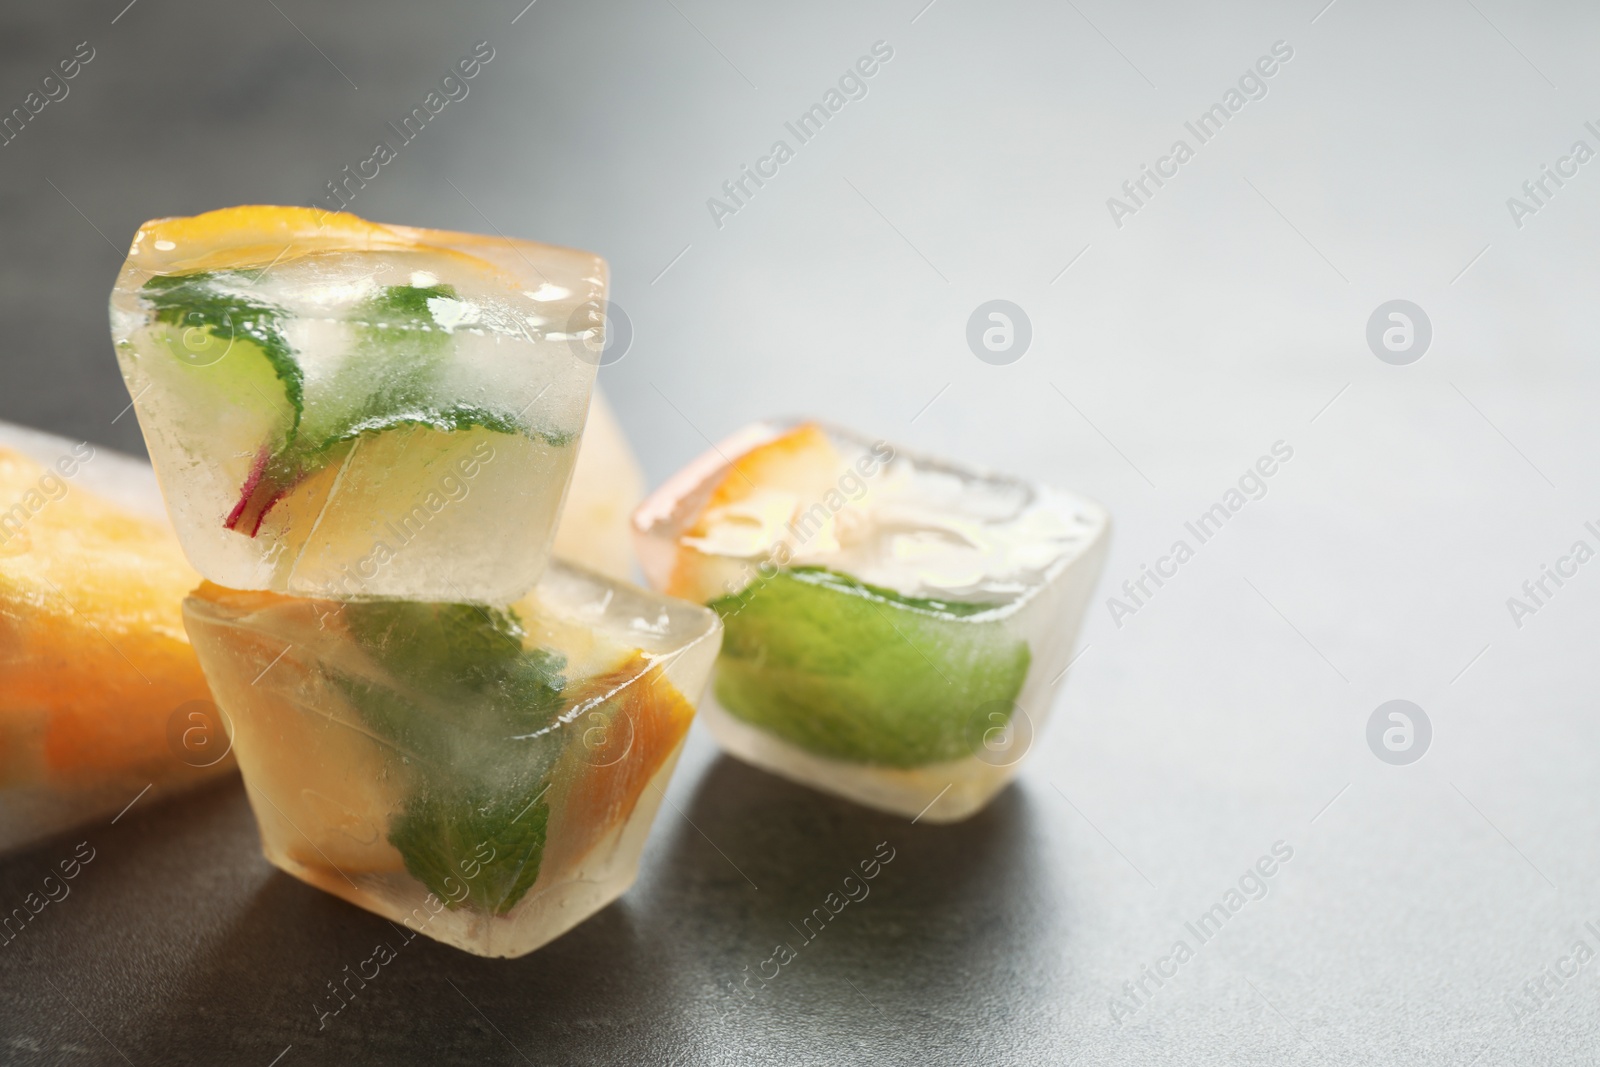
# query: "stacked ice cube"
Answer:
x=342 y=409
x=365 y=436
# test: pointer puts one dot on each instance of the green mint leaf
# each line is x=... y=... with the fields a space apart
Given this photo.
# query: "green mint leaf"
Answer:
x=429 y=645
x=823 y=578
x=859 y=673
x=379 y=417
x=467 y=705
x=407 y=305
x=398 y=329
x=202 y=300
x=475 y=849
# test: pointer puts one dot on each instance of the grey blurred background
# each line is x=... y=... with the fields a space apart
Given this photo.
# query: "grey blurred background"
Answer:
x=1227 y=313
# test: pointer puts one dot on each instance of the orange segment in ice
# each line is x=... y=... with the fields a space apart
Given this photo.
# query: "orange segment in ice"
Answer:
x=254 y=235
x=629 y=726
x=93 y=655
x=802 y=461
x=327 y=786
x=750 y=503
x=263 y=235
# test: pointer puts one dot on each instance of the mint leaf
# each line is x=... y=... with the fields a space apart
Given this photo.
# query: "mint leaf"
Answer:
x=477 y=850
x=860 y=673
x=400 y=306
x=202 y=301
x=840 y=582
x=380 y=418
x=435 y=643
x=466 y=704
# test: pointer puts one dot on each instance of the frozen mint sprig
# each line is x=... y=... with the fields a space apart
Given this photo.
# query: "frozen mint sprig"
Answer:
x=391 y=380
x=473 y=824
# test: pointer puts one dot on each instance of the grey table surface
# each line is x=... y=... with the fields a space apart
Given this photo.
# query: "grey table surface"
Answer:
x=1430 y=913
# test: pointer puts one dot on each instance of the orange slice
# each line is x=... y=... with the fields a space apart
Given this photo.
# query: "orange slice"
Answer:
x=93 y=655
x=259 y=235
x=764 y=490
x=253 y=236
x=802 y=461
x=622 y=742
x=322 y=787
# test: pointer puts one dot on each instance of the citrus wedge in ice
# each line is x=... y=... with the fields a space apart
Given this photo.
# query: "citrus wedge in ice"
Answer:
x=753 y=503
x=93 y=655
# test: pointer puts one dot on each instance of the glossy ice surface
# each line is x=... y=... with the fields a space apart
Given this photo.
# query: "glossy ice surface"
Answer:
x=485 y=777
x=101 y=697
x=344 y=409
x=606 y=486
x=896 y=625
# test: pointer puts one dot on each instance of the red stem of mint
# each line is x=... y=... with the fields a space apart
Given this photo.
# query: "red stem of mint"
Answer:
x=256 y=498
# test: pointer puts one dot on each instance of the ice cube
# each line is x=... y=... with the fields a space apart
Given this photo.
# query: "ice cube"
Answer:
x=485 y=776
x=606 y=486
x=343 y=409
x=896 y=625
x=101 y=699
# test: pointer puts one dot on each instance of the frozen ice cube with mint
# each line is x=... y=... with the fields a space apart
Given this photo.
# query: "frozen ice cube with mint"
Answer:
x=896 y=625
x=344 y=409
x=482 y=775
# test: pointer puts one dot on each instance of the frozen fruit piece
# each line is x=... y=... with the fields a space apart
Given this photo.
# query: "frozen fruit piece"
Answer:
x=631 y=721
x=894 y=623
x=346 y=409
x=486 y=775
x=94 y=662
x=337 y=778
x=258 y=233
x=801 y=461
x=606 y=486
x=728 y=513
x=745 y=500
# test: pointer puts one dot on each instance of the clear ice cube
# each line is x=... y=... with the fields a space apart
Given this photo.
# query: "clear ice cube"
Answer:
x=483 y=776
x=341 y=409
x=895 y=625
